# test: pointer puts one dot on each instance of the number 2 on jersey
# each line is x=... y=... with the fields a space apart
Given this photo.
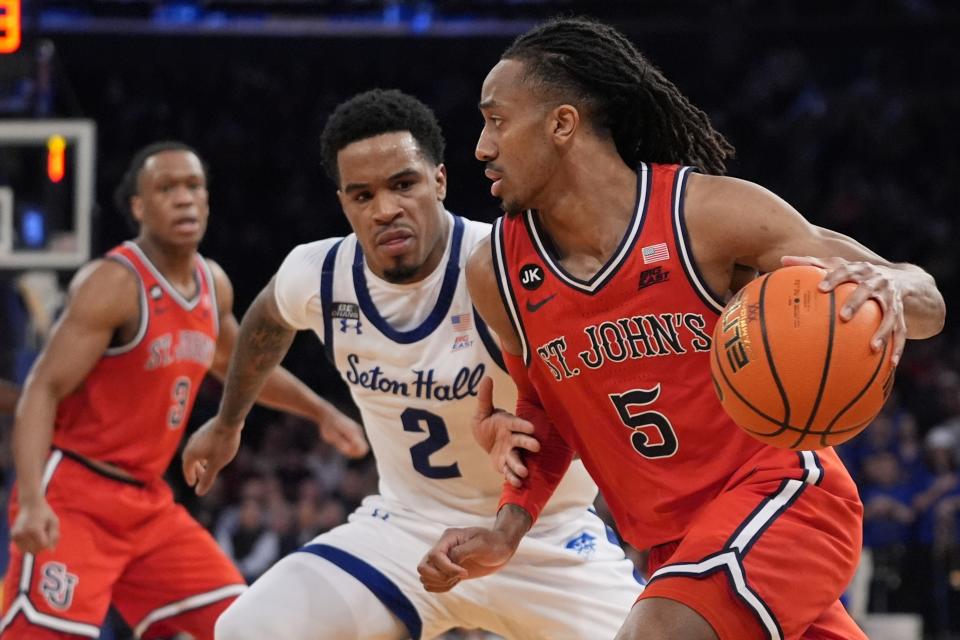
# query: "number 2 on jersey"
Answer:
x=653 y=435
x=437 y=439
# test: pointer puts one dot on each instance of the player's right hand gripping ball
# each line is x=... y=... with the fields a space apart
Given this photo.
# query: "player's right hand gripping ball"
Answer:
x=789 y=371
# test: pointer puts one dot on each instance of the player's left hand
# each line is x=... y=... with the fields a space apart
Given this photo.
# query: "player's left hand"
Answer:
x=874 y=282
x=343 y=433
x=502 y=435
x=209 y=450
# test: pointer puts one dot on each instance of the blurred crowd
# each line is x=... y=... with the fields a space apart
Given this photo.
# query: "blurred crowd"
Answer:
x=854 y=123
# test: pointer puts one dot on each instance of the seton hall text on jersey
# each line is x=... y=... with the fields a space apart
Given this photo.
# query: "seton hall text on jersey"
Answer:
x=646 y=336
x=423 y=384
x=193 y=346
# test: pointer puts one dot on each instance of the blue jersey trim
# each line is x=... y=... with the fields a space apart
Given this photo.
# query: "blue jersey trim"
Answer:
x=614 y=539
x=487 y=338
x=380 y=585
x=326 y=299
x=449 y=287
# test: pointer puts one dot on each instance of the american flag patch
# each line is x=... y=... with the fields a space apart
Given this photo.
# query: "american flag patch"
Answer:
x=461 y=322
x=655 y=253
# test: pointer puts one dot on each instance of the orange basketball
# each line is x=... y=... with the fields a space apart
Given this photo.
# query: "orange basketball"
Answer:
x=789 y=371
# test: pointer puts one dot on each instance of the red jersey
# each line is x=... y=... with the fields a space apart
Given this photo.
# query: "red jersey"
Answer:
x=620 y=363
x=131 y=408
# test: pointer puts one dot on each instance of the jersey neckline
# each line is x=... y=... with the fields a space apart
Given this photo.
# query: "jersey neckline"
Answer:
x=591 y=286
x=190 y=304
x=440 y=309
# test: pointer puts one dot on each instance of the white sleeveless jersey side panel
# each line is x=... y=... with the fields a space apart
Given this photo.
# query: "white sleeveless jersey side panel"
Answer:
x=416 y=388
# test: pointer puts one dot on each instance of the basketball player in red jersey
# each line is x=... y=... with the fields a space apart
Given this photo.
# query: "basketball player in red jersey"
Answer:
x=604 y=281
x=102 y=413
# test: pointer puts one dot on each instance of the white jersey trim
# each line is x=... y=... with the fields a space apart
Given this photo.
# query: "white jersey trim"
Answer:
x=644 y=173
x=170 y=289
x=23 y=604
x=212 y=288
x=731 y=563
x=506 y=291
x=680 y=233
x=144 y=310
x=188 y=604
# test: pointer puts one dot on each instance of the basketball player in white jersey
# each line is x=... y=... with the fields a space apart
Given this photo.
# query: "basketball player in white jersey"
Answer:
x=391 y=306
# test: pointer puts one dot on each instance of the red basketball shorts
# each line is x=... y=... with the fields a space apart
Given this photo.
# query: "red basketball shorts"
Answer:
x=769 y=557
x=120 y=543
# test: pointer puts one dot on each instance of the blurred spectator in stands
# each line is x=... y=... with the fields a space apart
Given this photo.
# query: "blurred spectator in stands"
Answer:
x=249 y=540
x=888 y=514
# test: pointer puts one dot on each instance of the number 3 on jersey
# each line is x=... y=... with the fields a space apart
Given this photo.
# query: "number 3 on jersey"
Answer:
x=180 y=394
x=653 y=435
x=437 y=439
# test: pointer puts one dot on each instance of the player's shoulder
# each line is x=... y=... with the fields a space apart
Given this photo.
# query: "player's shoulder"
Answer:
x=718 y=194
x=104 y=277
x=474 y=231
x=311 y=255
x=475 y=234
x=104 y=287
x=220 y=277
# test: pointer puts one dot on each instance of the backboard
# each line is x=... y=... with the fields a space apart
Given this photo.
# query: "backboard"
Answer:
x=46 y=193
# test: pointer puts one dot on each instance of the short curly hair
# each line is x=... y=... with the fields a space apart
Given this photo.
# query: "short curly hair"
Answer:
x=375 y=112
x=129 y=183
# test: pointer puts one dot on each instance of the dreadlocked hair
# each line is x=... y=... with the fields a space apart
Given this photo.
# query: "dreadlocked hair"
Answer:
x=376 y=112
x=595 y=67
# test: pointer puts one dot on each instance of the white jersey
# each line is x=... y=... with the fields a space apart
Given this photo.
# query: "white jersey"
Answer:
x=413 y=356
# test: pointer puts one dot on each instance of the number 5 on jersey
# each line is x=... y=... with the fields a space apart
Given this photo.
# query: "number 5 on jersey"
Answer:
x=653 y=435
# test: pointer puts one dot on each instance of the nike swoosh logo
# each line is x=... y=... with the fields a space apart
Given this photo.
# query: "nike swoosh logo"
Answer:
x=534 y=307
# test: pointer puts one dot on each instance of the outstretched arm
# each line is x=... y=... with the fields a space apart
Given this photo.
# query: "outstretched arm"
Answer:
x=248 y=360
x=734 y=222
x=470 y=553
x=254 y=351
x=102 y=299
x=530 y=485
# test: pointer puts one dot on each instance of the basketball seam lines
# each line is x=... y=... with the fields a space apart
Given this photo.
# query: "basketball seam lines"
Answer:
x=769 y=353
x=826 y=372
x=829 y=428
x=760 y=413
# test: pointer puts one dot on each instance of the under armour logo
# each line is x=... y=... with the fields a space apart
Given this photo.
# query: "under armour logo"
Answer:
x=348 y=323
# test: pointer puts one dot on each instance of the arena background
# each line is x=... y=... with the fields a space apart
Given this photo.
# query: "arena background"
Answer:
x=847 y=110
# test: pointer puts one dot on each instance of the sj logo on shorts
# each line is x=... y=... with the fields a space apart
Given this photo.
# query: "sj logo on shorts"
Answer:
x=57 y=585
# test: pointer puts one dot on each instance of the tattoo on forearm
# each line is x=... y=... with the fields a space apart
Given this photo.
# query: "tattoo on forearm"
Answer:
x=261 y=345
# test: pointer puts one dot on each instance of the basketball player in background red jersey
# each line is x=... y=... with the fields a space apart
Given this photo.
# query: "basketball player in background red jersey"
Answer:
x=102 y=413
x=604 y=282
